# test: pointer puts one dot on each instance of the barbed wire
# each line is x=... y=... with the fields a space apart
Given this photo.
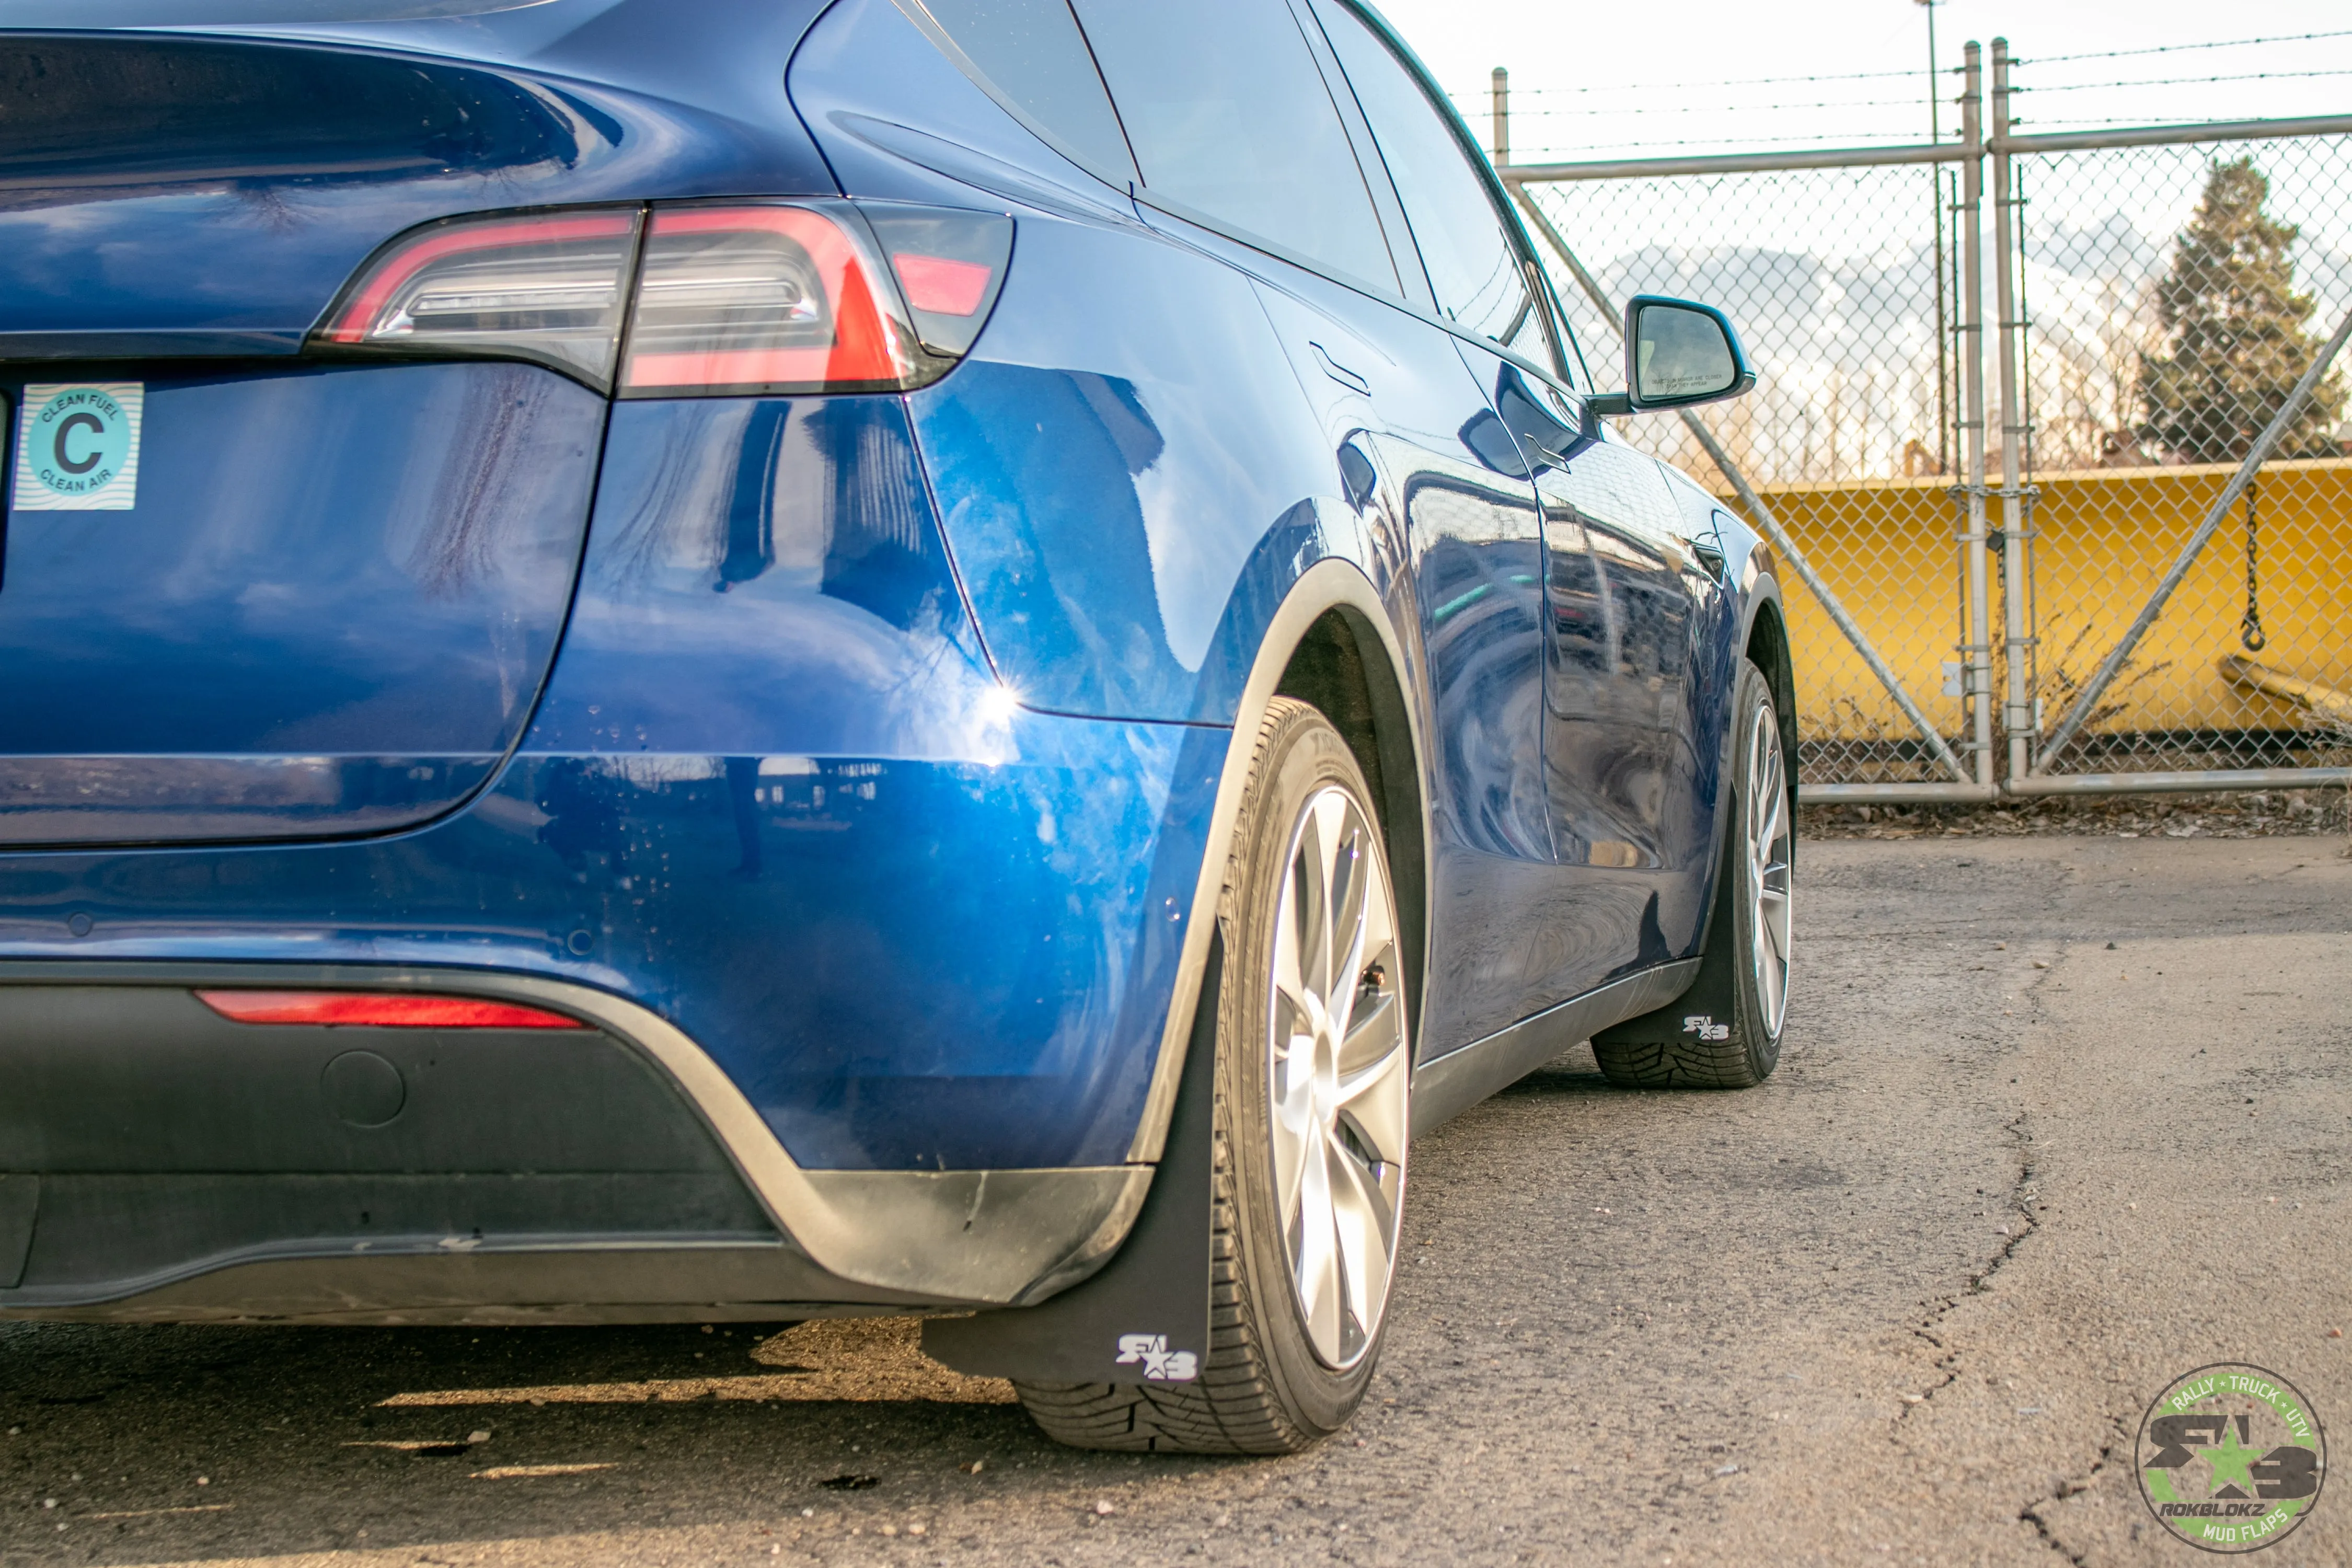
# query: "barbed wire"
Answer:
x=2174 y=81
x=2069 y=120
x=1519 y=113
x=2182 y=49
x=1684 y=86
x=1518 y=92
x=1730 y=144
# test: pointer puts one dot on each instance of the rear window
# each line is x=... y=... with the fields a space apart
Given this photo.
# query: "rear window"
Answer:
x=1474 y=268
x=80 y=13
x=1028 y=55
x=1230 y=120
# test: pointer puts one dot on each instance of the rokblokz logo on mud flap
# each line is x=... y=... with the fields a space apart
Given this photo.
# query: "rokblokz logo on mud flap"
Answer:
x=2231 y=1457
x=1159 y=1363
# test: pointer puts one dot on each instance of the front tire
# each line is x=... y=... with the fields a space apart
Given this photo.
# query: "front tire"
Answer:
x=1311 y=1121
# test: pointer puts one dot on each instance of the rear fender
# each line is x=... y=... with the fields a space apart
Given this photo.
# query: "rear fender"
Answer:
x=1330 y=586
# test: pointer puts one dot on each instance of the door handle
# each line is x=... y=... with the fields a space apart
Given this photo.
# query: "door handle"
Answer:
x=1340 y=373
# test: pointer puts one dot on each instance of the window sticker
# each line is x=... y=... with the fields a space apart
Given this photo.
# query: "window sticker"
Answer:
x=77 y=446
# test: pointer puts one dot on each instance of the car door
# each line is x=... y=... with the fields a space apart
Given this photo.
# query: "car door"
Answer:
x=1629 y=581
x=1588 y=921
x=1231 y=109
x=1460 y=506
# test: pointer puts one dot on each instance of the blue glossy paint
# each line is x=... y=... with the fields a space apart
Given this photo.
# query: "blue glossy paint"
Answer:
x=764 y=576
x=330 y=610
x=904 y=962
x=1125 y=435
x=168 y=194
x=919 y=925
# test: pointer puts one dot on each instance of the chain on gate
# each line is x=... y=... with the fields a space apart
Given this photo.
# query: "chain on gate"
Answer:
x=2249 y=626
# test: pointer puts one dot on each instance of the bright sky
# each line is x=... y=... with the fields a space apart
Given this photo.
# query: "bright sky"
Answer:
x=1614 y=80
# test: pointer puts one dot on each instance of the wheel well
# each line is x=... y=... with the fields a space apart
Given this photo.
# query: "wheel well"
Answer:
x=1340 y=667
x=1768 y=649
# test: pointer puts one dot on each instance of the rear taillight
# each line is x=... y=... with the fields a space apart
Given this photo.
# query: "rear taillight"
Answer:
x=379 y=1009
x=746 y=297
x=548 y=287
x=762 y=299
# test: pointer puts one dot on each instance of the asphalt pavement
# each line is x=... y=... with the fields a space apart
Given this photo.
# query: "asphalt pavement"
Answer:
x=2058 y=1119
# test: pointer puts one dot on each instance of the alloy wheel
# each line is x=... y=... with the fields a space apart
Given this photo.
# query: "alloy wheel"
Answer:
x=1769 y=833
x=1337 y=1070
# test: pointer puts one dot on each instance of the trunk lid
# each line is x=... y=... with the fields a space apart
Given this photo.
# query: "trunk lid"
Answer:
x=323 y=602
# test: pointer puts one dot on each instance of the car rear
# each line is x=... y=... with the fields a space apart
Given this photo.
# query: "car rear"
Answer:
x=477 y=625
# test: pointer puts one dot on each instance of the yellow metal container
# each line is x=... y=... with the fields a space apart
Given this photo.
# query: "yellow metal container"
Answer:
x=2101 y=540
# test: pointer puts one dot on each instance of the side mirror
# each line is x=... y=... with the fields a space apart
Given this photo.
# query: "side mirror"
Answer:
x=1678 y=354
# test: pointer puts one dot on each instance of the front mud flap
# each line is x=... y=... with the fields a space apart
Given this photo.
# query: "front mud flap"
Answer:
x=1143 y=1317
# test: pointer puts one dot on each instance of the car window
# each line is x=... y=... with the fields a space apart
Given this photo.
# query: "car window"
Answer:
x=1029 y=55
x=1230 y=121
x=1474 y=269
x=234 y=12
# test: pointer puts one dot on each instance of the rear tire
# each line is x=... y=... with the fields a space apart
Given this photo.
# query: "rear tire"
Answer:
x=1311 y=1120
x=1758 y=854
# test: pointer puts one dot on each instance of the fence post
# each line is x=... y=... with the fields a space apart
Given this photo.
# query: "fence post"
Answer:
x=1502 y=118
x=2016 y=713
x=1978 y=651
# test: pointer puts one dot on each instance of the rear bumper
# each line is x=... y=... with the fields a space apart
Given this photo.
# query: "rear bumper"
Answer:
x=163 y=1163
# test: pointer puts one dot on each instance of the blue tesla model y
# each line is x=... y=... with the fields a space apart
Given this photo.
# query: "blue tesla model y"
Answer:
x=743 y=659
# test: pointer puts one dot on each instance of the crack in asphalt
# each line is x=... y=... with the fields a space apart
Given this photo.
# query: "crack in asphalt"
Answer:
x=2066 y=1487
x=2020 y=1199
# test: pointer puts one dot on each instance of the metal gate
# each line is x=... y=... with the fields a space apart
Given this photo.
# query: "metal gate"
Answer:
x=2000 y=553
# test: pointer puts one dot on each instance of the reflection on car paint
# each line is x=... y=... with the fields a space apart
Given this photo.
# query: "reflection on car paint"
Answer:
x=1106 y=512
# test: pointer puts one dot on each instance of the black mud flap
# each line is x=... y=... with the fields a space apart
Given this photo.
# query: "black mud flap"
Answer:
x=1144 y=1316
x=1699 y=1013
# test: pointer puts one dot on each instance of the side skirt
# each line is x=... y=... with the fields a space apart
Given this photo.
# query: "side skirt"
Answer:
x=1452 y=1083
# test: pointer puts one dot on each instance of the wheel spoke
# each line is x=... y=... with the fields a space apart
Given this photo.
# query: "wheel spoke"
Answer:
x=1363 y=1220
x=1293 y=1129
x=1317 y=1254
x=1310 y=891
x=1374 y=1095
x=1290 y=988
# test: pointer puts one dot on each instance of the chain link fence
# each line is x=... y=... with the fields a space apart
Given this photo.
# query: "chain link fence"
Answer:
x=1996 y=460
x=1841 y=282
x=2170 y=297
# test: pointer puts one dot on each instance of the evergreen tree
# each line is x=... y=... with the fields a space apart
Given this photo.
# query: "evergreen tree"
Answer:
x=2236 y=332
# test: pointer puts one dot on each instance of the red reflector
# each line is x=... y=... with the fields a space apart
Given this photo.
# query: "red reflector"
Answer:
x=936 y=283
x=380 y=1010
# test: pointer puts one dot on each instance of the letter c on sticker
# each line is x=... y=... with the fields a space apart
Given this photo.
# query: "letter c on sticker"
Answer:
x=67 y=427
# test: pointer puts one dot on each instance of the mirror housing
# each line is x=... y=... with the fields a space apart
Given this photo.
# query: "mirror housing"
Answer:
x=1678 y=354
